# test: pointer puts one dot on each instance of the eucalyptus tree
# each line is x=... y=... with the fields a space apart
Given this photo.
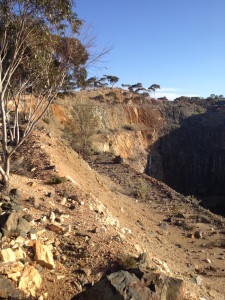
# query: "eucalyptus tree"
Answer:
x=36 y=60
x=112 y=79
x=153 y=88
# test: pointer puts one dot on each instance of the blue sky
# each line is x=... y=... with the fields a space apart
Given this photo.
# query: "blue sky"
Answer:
x=178 y=44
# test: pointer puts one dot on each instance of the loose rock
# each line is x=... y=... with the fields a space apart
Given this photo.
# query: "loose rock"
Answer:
x=43 y=255
x=30 y=281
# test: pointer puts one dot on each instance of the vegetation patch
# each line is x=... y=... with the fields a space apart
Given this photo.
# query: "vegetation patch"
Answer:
x=57 y=180
x=127 y=262
x=141 y=190
x=130 y=127
x=99 y=98
x=81 y=129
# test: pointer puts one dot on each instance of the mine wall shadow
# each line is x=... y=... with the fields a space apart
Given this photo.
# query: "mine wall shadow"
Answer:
x=191 y=158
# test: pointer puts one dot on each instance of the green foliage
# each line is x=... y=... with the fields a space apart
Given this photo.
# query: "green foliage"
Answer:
x=84 y=126
x=44 y=57
x=193 y=199
x=112 y=95
x=112 y=79
x=141 y=190
x=154 y=87
x=99 y=98
x=127 y=262
x=94 y=82
x=57 y=180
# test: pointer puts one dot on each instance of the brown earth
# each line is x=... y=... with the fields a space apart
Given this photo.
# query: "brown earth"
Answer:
x=116 y=212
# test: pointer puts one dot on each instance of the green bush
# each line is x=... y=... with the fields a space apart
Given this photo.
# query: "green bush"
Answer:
x=81 y=129
x=112 y=95
x=99 y=98
x=127 y=262
x=193 y=199
x=57 y=180
x=141 y=190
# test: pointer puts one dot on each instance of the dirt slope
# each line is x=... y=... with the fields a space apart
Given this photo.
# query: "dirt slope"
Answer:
x=107 y=220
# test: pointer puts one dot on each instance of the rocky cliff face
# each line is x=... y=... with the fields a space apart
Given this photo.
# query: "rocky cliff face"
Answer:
x=190 y=156
x=181 y=143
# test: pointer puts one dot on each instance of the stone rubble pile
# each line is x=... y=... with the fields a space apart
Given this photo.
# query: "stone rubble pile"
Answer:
x=24 y=252
x=21 y=251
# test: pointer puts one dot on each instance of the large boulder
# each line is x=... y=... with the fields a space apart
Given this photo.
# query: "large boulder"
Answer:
x=7 y=290
x=124 y=285
x=118 y=286
x=169 y=288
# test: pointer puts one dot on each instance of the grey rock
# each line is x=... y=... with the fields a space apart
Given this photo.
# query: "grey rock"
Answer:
x=28 y=217
x=8 y=223
x=167 y=287
x=23 y=226
x=118 y=286
x=7 y=290
x=198 y=280
x=33 y=230
x=163 y=226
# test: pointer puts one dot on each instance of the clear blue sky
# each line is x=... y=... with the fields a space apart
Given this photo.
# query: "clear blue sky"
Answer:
x=179 y=44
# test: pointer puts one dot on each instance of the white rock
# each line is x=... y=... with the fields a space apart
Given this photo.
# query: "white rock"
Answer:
x=63 y=201
x=14 y=276
x=20 y=240
x=30 y=281
x=52 y=217
x=165 y=267
x=20 y=254
x=7 y=255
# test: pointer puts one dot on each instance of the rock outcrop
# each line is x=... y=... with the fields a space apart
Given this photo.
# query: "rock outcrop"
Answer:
x=124 y=285
x=190 y=158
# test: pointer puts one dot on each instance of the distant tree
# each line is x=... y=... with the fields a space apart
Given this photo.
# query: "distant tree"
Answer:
x=111 y=79
x=126 y=85
x=212 y=96
x=137 y=89
x=89 y=83
x=101 y=83
x=153 y=88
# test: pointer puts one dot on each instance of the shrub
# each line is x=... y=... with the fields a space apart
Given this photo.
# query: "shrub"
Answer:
x=127 y=262
x=57 y=180
x=130 y=127
x=112 y=95
x=141 y=190
x=99 y=98
x=81 y=130
x=193 y=199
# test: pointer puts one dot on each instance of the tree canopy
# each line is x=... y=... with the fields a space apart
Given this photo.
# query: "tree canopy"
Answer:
x=36 y=58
